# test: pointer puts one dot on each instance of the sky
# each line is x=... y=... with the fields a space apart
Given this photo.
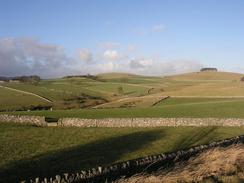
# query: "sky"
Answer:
x=149 y=37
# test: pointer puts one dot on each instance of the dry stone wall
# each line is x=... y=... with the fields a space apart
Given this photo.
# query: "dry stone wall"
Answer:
x=150 y=122
x=124 y=122
x=32 y=120
x=128 y=168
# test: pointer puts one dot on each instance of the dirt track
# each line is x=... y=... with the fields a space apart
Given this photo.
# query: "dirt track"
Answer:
x=28 y=93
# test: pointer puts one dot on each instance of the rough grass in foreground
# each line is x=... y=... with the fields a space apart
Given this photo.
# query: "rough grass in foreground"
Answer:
x=225 y=165
x=28 y=151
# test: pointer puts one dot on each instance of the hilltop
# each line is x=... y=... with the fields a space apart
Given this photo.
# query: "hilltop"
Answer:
x=208 y=75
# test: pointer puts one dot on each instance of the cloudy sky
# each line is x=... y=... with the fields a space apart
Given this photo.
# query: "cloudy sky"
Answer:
x=151 y=37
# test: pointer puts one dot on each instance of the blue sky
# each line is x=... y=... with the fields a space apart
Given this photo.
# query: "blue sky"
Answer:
x=141 y=36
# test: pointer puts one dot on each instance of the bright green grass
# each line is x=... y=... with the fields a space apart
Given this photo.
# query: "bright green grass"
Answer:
x=12 y=100
x=28 y=151
x=58 y=90
x=193 y=101
x=218 y=109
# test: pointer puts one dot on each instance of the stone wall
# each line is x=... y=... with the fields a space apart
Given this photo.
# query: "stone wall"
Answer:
x=32 y=120
x=128 y=168
x=124 y=122
x=150 y=122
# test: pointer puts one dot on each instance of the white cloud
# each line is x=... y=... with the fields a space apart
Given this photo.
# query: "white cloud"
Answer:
x=151 y=66
x=26 y=56
x=158 y=28
x=85 y=55
x=140 y=63
x=111 y=55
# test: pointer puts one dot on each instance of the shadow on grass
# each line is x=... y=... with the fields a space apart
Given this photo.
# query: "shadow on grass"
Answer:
x=81 y=157
x=197 y=135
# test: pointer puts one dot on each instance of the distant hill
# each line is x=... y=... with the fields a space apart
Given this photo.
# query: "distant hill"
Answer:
x=208 y=76
x=119 y=89
x=31 y=78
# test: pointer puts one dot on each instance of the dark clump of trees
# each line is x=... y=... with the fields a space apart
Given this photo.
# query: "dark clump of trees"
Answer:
x=28 y=108
x=34 y=79
x=209 y=69
x=89 y=76
x=2 y=78
x=242 y=79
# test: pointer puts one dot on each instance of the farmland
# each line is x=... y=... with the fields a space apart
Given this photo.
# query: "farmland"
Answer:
x=116 y=90
x=28 y=151
x=219 y=108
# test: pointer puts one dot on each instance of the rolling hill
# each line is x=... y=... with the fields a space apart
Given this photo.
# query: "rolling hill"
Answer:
x=119 y=90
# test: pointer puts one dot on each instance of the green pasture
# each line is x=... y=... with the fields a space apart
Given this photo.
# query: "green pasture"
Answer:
x=28 y=152
x=196 y=101
x=225 y=108
x=83 y=92
x=11 y=100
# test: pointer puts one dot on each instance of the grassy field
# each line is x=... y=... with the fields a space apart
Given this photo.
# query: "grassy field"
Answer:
x=11 y=100
x=197 y=101
x=179 y=107
x=28 y=151
x=112 y=88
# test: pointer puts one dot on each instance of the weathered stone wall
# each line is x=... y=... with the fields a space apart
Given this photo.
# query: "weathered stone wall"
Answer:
x=150 y=122
x=128 y=168
x=32 y=120
x=124 y=122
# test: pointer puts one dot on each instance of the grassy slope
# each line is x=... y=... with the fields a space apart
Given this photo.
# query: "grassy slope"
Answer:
x=208 y=76
x=15 y=100
x=205 y=84
x=192 y=84
x=60 y=89
x=216 y=165
x=28 y=151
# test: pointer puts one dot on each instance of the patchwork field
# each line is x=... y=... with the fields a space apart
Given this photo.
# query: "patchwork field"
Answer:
x=122 y=90
x=28 y=151
x=178 y=107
